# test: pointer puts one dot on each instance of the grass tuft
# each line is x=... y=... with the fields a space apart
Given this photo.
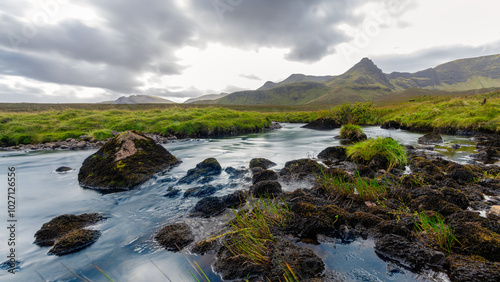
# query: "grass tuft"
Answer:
x=434 y=230
x=383 y=146
x=366 y=189
x=351 y=131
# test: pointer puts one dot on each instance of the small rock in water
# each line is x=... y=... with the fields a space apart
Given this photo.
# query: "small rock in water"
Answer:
x=456 y=146
x=261 y=162
x=209 y=206
x=172 y=192
x=430 y=138
x=63 y=169
x=206 y=168
x=175 y=236
x=74 y=241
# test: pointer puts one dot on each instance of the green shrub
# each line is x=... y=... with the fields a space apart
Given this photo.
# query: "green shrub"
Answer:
x=382 y=146
x=352 y=132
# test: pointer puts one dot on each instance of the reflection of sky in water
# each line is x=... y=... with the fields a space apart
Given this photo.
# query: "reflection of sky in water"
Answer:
x=127 y=244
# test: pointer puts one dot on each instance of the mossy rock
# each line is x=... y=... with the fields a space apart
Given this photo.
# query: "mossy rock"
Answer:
x=264 y=175
x=477 y=240
x=74 y=241
x=61 y=225
x=261 y=162
x=472 y=269
x=175 y=236
x=352 y=132
x=302 y=167
x=124 y=162
x=203 y=170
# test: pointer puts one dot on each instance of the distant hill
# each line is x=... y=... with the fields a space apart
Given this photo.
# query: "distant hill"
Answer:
x=206 y=98
x=294 y=78
x=365 y=82
x=140 y=99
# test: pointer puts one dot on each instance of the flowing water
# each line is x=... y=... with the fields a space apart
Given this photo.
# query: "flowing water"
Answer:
x=126 y=250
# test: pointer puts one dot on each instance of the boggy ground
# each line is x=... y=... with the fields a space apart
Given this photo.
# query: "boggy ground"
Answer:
x=437 y=192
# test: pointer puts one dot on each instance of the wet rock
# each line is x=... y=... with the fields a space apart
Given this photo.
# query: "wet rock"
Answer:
x=261 y=162
x=434 y=203
x=209 y=206
x=391 y=124
x=477 y=240
x=74 y=241
x=235 y=199
x=63 y=169
x=235 y=173
x=310 y=220
x=454 y=196
x=62 y=225
x=472 y=269
x=460 y=172
x=430 y=138
x=494 y=213
x=204 y=247
x=396 y=227
x=455 y=146
x=201 y=191
x=334 y=154
x=266 y=188
x=303 y=261
x=206 y=168
x=126 y=161
x=264 y=175
x=301 y=168
x=231 y=267
x=417 y=256
x=323 y=124
x=172 y=192
x=367 y=220
x=378 y=162
x=175 y=236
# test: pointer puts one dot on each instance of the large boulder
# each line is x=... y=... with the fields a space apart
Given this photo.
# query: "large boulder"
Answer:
x=337 y=153
x=124 y=162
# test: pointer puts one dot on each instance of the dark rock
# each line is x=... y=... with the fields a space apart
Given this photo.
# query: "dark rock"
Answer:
x=74 y=241
x=231 y=267
x=455 y=146
x=62 y=225
x=337 y=153
x=267 y=188
x=206 y=168
x=379 y=162
x=477 y=240
x=261 y=162
x=367 y=220
x=63 y=169
x=303 y=261
x=456 y=197
x=391 y=125
x=126 y=161
x=301 y=168
x=264 y=175
x=430 y=138
x=472 y=269
x=396 y=227
x=323 y=124
x=365 y=171
x=460 y=172
x=208 y=207
x=417 y=256
x=433 y=203
x=172 y=192
x=175 y=236
x=201 y=191
x=204 y=246
x=235 y=173
x=235 y=199
x=309 y=220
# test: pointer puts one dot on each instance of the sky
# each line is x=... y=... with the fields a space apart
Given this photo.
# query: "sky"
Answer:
x=86 y=51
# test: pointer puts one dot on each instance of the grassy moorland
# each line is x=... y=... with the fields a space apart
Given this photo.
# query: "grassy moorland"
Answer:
x=448 y=113
x=38 y=123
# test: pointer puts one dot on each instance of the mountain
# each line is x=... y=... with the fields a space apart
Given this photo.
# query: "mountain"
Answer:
x=140 y=99
x=365 y=82
x=206 y=98
x=294 y=78
x=459 y=75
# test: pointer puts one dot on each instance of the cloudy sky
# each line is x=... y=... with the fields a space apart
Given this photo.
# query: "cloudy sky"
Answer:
x=60 y=51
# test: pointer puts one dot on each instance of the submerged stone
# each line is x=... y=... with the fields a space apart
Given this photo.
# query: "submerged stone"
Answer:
x=323 y=124
x=124 y=162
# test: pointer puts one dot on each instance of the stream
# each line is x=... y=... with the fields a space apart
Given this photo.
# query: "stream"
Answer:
x=126 y=251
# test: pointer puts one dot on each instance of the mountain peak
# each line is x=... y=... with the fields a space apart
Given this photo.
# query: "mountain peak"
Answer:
x=366 y=73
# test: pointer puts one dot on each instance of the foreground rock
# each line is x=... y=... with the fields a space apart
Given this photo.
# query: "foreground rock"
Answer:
x=126 y=161
x=261 y=163
x=67 y=234
x=175 y=236
x=212 y=206
x=430 y=138
x=333 y=154
x=323 y=124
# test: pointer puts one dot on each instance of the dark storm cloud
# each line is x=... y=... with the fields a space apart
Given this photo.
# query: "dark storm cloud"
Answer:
x=433 y=57
x=135 y=37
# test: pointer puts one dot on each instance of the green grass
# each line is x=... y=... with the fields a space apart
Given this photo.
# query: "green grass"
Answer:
x=351 y=131
x=251 y=234
x=447 y=113
x=432 y=230
x=383 y=146
x=366 y=189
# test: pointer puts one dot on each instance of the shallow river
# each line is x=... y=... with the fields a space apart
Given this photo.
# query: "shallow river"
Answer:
x=126 y=248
